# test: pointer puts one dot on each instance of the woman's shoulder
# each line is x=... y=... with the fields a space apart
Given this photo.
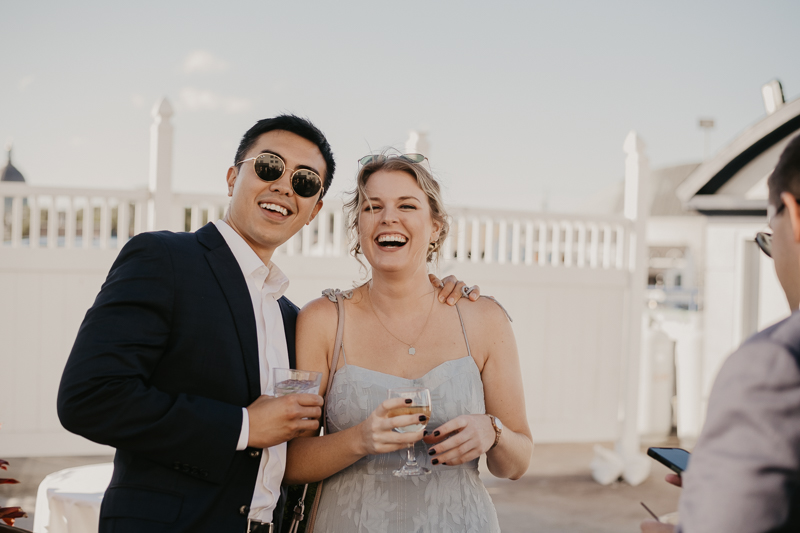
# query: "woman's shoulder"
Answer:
x=321 y=308
x=486 y=311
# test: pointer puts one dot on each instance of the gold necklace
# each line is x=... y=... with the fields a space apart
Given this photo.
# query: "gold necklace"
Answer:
x=411 y=349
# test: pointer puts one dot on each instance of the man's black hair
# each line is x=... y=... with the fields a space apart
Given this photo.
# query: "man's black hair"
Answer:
x=299 y=126
x=786 y=176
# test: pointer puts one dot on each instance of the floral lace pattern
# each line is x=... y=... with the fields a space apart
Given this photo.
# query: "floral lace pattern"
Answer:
x=367 y=498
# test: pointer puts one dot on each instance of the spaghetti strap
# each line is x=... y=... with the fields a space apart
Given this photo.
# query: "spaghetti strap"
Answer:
x=466 y=340
x=344 y=356
x=492 y=298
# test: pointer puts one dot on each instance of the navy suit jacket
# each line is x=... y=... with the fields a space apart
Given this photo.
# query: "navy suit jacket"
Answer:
x=163 y=363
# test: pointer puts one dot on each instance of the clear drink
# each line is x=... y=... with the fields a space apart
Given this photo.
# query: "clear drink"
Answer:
x=296 y=386
x=288 y=381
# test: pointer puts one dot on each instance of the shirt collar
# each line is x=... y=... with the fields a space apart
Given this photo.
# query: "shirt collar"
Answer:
x=271 y=278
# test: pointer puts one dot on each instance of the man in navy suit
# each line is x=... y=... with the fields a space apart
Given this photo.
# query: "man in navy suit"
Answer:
x=172 y=360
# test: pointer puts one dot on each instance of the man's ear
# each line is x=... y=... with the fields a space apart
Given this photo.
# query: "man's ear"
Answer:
x=314 y=212
x=793 y=212
x=231 y=179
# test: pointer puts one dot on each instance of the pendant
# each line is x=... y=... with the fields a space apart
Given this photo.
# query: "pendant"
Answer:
x=411 y=350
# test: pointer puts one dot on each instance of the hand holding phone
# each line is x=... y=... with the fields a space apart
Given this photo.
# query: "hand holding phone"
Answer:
x=676 y=459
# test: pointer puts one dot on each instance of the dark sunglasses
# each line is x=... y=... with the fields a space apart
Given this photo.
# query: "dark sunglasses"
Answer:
x=764 y=241
x=380 y=158
x=270 y=167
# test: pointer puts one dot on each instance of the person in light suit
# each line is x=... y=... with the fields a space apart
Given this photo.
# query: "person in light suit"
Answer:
x=744 y=473
x=172 y=361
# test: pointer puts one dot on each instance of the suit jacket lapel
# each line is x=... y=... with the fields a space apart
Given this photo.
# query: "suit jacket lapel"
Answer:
x=230 y=278
x=289 y=314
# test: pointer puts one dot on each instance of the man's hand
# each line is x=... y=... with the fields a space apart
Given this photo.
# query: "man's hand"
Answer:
x=450 y=289
x=651 y=526
x=277 y=420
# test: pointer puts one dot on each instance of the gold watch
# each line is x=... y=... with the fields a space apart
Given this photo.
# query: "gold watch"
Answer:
x=498 y=429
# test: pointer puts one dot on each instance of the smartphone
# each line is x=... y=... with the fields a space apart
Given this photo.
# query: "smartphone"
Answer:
x=676 y=459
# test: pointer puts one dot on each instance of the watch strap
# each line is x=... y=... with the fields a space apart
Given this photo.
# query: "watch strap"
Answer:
x=497 y=431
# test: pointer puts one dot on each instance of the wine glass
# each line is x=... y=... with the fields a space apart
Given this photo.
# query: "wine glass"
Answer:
x=420 y=405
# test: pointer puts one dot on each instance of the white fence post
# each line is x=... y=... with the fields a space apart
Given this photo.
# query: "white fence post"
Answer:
x=637 y=209
x=34 y=225
x=160 y=203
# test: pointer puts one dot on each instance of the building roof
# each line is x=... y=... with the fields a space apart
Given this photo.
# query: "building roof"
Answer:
x=10 y=172
x=733 y=180
x=664 y=181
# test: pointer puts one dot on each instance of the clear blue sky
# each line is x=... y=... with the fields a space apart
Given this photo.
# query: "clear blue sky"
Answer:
x=518 y=97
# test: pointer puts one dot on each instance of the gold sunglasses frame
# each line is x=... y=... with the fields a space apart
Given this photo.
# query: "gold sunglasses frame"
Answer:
x=285 y=168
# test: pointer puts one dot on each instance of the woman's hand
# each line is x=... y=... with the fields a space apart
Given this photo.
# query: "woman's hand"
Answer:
x=450 y=289
x=461 y=440
x=377 y=435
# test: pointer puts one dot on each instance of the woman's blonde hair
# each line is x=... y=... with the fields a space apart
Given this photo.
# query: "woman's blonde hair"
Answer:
x=358 y=196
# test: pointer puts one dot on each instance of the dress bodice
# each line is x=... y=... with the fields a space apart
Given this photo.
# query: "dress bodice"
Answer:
x=365 y=497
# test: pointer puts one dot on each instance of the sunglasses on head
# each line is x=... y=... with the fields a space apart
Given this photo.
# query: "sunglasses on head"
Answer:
x=380 y=158
x=270 y=167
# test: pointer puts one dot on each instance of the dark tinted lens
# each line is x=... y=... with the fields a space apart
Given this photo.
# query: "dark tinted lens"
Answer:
x=306 y=183
x=764 y=241
x=269 y=167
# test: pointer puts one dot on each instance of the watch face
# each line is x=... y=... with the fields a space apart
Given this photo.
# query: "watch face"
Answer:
x=498 y=423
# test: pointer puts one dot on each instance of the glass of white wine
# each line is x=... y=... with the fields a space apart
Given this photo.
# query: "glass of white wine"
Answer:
x=420 y=405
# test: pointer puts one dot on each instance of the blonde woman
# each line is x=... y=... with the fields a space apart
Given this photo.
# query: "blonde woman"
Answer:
x=397 y=334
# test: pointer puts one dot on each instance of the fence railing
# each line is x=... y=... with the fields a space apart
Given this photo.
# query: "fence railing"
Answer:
x=48 y=217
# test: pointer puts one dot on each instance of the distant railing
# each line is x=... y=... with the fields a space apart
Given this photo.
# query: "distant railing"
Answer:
x=46 y=217
x=50 y=217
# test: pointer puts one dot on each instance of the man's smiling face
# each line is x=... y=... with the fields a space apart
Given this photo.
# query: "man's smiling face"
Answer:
x=267 y=214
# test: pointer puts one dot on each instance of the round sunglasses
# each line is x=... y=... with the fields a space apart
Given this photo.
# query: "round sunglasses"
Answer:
x=270 y=167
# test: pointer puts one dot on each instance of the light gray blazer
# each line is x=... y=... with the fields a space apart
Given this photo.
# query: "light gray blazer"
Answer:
x=744 y=473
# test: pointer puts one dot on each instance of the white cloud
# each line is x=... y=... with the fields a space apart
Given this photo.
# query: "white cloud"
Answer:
x=202 y=61
x=24 y=83
x=202 y=100
x=137 y=100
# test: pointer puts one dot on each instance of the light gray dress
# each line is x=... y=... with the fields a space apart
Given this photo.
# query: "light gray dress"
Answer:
x=366 y=498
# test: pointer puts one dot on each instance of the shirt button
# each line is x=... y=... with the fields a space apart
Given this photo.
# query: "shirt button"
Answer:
x=244 y=510
x=255 y=453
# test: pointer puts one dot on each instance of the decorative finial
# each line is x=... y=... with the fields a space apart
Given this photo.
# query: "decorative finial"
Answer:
x=163 y=108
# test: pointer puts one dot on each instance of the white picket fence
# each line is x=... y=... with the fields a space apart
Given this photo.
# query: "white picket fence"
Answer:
x=569 y=281
x=48 y=217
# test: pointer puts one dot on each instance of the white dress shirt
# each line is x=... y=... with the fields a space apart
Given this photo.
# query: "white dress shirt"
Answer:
x=266 y=284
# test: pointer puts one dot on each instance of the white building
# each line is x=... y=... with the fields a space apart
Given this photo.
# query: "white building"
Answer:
x=710 y=287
